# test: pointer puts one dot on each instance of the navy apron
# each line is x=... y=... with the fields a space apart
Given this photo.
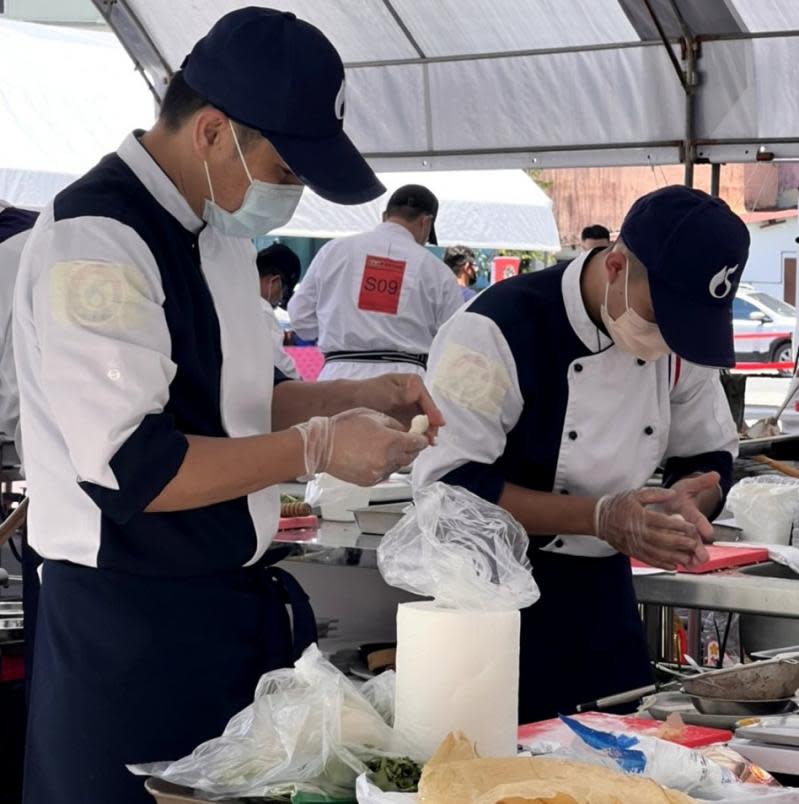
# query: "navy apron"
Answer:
x=131 y=669
x=583 y=639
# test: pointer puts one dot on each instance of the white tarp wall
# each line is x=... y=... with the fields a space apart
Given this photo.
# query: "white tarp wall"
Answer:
x=480 y=208
x=67 y=98
x=522 y=83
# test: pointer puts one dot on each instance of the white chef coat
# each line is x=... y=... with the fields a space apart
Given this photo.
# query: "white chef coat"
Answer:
x=10 y=252
x=283 y=362
x=135 y=324
x=535 y=394
x=377 y=291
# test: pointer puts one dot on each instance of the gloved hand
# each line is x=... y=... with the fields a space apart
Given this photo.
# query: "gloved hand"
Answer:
x=402 y=396
x=360 y=446
x=626 y=523
x=686 y=501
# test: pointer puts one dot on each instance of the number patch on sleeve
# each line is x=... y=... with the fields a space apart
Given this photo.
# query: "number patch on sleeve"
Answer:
x=381 y=285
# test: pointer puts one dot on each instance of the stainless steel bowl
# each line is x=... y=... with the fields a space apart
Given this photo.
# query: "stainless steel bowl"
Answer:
x=722 y=706
x=759 y=681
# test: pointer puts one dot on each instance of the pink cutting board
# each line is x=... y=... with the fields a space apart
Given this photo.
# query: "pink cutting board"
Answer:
x=722 y=558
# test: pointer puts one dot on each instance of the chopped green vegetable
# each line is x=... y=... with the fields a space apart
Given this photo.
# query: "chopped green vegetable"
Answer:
x=286 y=499
x=395 y=774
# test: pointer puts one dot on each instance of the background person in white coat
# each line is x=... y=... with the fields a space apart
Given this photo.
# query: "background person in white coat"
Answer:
x=15 y=226
x=278 y=272
x=565 y=390
x=375 y=301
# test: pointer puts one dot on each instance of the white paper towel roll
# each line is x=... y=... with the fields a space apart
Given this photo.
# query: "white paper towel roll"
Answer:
x=457 y=670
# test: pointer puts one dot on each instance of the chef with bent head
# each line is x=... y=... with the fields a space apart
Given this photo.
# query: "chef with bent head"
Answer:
x=564 y=391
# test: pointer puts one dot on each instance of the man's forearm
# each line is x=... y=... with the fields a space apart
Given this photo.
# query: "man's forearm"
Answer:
x=543 y=513
x=219 y=469
x=296 y=402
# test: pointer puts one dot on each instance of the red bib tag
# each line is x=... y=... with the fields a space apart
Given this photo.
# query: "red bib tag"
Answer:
x=381 y=285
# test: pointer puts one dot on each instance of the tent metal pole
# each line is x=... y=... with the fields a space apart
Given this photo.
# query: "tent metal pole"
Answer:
x=665 y=40
x=690 y=110
x=715 y=178
x=690 y=54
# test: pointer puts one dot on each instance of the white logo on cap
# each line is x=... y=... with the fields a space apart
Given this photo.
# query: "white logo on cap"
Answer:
x=720 y=286
x=340 y=102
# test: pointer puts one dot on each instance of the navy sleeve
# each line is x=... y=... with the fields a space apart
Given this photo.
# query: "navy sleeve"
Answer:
x=481 y=479
x=143 y=466
x=721 y=462
x=281 y=377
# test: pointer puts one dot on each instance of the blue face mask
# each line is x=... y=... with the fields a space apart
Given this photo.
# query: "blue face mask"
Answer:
x=265 y=206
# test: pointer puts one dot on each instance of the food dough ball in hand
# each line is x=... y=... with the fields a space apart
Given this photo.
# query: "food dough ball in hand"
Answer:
x=419 y=425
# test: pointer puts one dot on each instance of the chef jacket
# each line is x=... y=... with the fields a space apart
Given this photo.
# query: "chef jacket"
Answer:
x=535 y=394
x=372 y=292
x=15 y=225
x=134 y=325
x=282 y=359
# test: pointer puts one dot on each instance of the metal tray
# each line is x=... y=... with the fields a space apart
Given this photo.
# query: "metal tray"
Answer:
x=741 y=709
x=379 y=519
x=772 y=730
x=667 y=703
x=755 y=446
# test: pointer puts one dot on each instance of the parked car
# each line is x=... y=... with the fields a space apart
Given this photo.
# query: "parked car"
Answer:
x=764 y=327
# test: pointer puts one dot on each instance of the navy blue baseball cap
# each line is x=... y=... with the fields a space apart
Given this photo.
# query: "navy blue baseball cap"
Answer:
x=694 y=249
x=270 y=71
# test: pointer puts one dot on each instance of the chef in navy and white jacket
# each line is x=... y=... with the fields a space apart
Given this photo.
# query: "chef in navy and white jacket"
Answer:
x=564 y=390
x=375 y=300
x=154 y=439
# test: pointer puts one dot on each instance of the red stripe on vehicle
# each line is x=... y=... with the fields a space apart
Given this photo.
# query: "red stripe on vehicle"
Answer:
x=772 y=336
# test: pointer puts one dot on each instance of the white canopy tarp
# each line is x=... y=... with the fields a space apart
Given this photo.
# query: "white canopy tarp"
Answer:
x=480 y=208
x=531 y=83
x=67 y=98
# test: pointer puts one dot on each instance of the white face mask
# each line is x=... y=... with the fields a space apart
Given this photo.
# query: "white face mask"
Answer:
x=632 y=333
x=265 y=206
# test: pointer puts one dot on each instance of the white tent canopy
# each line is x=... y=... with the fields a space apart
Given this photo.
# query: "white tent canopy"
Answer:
x=481 y=209
x=520 y=83
x=67 y=97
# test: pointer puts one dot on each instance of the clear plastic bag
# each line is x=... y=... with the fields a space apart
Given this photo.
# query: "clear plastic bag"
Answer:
x=336 y=498
x=461 y=550
x=308 y=730
x=381 y=692
x=765 y=508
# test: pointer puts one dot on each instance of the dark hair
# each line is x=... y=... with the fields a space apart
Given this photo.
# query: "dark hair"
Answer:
x=459 y=251
x=279 y=260
x=181 y=102
x=595 y=232
x=457 y=262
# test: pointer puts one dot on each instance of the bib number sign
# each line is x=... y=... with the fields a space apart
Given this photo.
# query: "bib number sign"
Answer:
x=381 y=285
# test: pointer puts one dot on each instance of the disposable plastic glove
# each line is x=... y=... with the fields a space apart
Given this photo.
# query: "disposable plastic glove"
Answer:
x=626 y=523
x=360 y=446
x=686 y=501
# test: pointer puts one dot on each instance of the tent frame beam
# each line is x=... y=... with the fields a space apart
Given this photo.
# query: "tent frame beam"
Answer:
x=150 y=62
x=147 y=59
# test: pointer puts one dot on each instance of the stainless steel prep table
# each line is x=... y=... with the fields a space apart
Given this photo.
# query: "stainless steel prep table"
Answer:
x=365 y=602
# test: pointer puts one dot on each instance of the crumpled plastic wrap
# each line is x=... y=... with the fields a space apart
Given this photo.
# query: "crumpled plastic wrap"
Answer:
x=671 y=765
x=765 y=508
x=465 y=552
x=308 y=730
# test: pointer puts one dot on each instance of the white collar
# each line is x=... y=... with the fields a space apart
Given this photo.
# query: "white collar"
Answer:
x=586 y=330
x=397 y=228
x=160 y=186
